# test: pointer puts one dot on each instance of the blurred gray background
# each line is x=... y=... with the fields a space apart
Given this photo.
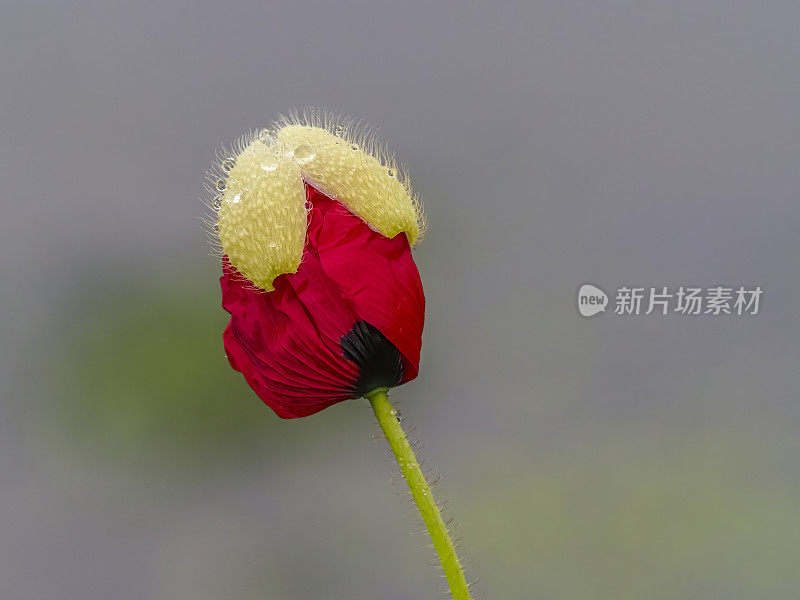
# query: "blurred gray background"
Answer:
x=553 y=143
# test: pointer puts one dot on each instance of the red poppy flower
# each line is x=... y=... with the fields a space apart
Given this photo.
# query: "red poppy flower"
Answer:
x=349 y=318
x=316 y=227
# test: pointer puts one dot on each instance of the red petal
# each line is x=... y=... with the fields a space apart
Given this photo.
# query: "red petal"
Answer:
x=286 y=342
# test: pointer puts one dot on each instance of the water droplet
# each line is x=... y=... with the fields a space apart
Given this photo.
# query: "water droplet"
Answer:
x=228 y=164
x=269 y=163
x=354 y=146
x=241 y=231
x=272 y=244
x=265 y=136
x=220 y=185
x=390 y=172
x=304 y=153
x=216 y=204
x=278 y=226
x=216 y=228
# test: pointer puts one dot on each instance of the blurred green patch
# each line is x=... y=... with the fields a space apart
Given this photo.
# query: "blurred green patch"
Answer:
x=142 y=375
x=656 y=512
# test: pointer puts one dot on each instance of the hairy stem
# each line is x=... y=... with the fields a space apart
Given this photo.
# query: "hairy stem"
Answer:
x=421 y=492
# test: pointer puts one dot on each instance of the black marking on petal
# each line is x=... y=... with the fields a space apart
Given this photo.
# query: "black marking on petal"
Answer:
x=379 y=361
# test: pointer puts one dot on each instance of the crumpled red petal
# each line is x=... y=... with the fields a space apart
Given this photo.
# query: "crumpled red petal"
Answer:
x=286 y=342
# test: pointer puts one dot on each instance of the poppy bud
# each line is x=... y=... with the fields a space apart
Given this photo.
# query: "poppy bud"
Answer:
x=316 y=227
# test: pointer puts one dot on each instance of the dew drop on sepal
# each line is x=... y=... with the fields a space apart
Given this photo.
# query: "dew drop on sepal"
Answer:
x=270 y=163
x=304 y=153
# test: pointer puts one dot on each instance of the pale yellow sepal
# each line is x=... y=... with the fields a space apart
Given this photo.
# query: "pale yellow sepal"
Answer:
x=344 y=171
x=262 y=215
x=259 y=194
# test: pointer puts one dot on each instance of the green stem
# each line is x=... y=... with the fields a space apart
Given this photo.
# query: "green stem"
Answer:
x=421 y=492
